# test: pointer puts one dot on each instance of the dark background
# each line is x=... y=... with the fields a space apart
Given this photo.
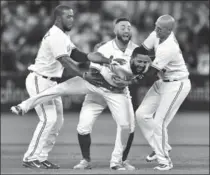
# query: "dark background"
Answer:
x=24 y=23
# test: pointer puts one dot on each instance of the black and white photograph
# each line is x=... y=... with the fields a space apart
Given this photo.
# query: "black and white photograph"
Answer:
x=104 y=87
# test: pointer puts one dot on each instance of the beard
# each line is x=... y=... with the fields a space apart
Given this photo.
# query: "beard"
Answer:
x=67 y=29
x=120 y=38
x=135 y=69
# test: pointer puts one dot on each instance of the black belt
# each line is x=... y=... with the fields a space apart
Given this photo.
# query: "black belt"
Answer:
x=169 y=80
x=49 y=78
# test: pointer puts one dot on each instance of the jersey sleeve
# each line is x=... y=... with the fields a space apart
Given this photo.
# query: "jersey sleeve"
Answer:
x=58 y=46
x=162 y=58
x=104 y=50
x=149 y=42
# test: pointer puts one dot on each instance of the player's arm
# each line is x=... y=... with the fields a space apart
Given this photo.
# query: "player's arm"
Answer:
x=71 y=68
x=59 y=51
x=95 y=57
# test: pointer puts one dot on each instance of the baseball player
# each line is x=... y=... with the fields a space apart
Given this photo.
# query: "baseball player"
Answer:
x=113 y=91
x=164 y=98
x=53 y=56
x=94 y=104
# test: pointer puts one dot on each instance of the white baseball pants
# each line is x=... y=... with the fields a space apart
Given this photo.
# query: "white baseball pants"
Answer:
x=92 y=107
x=50 y=116
x=157 y=110
x=77 y=85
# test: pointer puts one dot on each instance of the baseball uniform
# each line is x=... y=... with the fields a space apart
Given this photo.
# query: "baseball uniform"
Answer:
x=94 y=104
x=166 y=95
x=43 y=75
x=115 y=101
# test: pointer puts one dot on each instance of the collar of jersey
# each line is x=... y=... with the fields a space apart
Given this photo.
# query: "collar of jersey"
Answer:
x=166 y=39
x=117 y=48
x=57 y=28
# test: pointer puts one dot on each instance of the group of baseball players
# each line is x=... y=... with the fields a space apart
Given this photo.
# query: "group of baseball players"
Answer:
x=114 y=65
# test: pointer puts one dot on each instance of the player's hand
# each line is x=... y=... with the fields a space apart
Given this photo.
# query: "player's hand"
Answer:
x=92 y=78
x=137 y=79
x=118 y=61
x=120 y=82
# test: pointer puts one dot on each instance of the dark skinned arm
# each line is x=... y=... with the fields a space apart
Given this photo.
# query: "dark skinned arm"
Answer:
x=94 y=57
x=73 y=70
x=70 y=66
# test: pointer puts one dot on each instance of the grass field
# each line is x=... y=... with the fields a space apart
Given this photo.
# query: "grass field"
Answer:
x=188 y=135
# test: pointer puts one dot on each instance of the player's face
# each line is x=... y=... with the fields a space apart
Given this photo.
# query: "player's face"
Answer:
x=140 y=64
x=160 y=30
x=123 y=32
x=67 y=19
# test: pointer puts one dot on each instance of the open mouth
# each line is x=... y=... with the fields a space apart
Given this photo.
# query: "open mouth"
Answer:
x=126 y=36
x=140 y=69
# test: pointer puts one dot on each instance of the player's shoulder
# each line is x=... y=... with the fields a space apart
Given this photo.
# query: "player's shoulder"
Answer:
x=104 y=45
x=172 y=43
x=151 y=38
x=99 y=45
x=55 y=32
x=153 y=35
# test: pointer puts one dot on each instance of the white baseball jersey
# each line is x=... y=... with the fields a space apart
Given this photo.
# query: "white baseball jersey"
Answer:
x=111 y=49
x=54 y=45
x=164 y=98
x=168 y=56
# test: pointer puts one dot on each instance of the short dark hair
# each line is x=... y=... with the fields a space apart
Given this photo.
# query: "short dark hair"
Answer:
x=121 y=19
x=59 y=10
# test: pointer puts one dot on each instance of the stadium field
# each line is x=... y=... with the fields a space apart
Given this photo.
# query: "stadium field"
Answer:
x=188 y=135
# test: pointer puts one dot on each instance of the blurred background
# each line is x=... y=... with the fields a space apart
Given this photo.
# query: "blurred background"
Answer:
x=23 y=24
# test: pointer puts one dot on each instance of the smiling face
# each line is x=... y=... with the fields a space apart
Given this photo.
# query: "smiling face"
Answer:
x=138 y=63
x=123 y=31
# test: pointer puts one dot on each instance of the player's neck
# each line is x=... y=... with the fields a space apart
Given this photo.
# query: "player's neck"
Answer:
x=59 y=26
x=122 y=46
x=163 y=39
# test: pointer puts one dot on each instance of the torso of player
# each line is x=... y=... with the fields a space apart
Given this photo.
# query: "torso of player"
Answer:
x=174 y=65
x=46 y=61
x=110 y=49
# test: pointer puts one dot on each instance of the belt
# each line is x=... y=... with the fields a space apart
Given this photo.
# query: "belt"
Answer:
x=104 y=83
x=169 y=80
x=49 y=78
